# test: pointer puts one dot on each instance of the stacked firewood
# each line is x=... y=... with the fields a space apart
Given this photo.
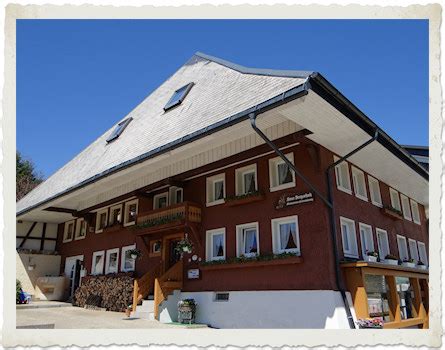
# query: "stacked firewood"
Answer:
x=111 y=292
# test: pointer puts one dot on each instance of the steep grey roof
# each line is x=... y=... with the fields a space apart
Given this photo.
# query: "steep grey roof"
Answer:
x=221 y=90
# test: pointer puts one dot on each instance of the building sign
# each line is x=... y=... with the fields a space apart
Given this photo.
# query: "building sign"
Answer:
x=287 y=200
x=193 y=274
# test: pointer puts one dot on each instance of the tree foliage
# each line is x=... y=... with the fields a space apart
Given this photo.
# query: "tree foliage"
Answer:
x=27 y=176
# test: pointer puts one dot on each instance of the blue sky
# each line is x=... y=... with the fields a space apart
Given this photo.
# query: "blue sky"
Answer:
x=77 y=78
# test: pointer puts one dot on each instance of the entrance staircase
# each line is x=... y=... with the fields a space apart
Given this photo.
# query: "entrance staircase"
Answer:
x=164 y=286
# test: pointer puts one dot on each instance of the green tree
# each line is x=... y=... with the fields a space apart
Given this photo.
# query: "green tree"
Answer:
x=27 y=176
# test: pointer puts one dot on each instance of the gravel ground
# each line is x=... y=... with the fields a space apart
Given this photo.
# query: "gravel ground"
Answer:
x=65 y=316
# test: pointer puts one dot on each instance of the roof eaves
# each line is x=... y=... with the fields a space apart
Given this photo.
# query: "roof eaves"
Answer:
x=257 y=71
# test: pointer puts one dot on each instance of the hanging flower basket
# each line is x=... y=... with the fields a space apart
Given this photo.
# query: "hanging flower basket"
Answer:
x=184 y=246
x=135 y=253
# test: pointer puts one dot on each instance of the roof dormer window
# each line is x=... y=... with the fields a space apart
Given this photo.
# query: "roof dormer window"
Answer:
x=178 y=96
x=119 y=129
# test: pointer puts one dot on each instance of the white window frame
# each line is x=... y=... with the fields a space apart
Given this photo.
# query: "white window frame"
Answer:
x=209 y=243
x=210 y=189
x=153 y=247
x=274 y=174
x=405 y=246
x=343 y=166
x=93 y=267
x=126 y=216
x=377 y=201
x=160 y=195
x=359 y=175
x=117 y=206
x=396 y=193
x=65 y=231
x=123 y=251
x=98 y=213
x=422 y=251
x=415 y=209
x=364 y=226
x=406 y=207
x=239 y=237
x=276 y=239
x=413 y=252
x=107 y=261
x=79 y=223
x=172 y=192
x=240 y=172
x=382 y=233
x=352 y=238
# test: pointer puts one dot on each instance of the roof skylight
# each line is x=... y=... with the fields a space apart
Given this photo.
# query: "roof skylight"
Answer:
x=178 y=96
x=119 y=129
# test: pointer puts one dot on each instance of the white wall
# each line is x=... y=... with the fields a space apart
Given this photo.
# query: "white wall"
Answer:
x=271 y=309
x=45 y=265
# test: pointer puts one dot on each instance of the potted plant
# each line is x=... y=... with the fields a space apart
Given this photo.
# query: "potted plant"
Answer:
x=184 y=246
x=135 y=253
x=187 y=311
x=391 y=260
x=408 y=263
x=421 y=265
x=370 y=323
x=371 y=256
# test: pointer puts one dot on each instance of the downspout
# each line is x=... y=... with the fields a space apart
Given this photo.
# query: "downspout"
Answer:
x=327 y=201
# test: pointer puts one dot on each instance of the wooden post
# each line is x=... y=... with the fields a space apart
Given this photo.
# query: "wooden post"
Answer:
x=355 y=284
x=393 y=299
x=135 y=294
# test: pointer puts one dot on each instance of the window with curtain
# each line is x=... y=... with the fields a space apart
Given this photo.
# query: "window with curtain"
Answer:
x=247 y=240
x=216 y=244
x=413 y=250
x=215 y=188
x=286 y=235
x=342 y=176
x=374 y=191
x=366 y=239
x=422 y=252
x=415 y=211
x=403 y=249
x=128 y=263
x=349 y=239
x=280 y=174
x=98 y=263
x=382 y=241
x=405 y=207
x=246 y=181
x=395 y=201
x=358 y=178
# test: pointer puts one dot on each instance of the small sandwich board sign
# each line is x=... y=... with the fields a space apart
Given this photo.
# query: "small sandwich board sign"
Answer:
x=287 y=200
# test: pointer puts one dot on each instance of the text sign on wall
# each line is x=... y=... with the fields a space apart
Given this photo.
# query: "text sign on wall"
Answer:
x=287 y=200
x=192 y=274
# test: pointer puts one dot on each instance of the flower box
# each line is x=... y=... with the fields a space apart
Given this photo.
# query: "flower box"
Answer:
x=409 y=264
x=253 y=264
x=422 y=267
x=231 y=202
x=391 y=261
x=370 y=258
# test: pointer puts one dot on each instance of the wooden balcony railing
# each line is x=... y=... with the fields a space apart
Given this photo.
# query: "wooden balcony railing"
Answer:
x=174 y=214
x=166 y=284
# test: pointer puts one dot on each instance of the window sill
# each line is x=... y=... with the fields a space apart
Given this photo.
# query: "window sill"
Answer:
x=363 y=198
x=218 y=202
x=129 y=224
x=348 y=191
x=380 y=205
x=67 y=241
x=253 y=264
x=282 y=187
x=391 y=214
x=79 y=238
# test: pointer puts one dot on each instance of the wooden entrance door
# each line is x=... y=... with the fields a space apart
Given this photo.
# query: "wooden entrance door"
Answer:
x=171 y=256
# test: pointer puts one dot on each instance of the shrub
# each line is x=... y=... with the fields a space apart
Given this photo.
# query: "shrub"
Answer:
x=18 y=289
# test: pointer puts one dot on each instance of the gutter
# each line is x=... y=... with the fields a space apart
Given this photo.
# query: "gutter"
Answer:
x=315 y=82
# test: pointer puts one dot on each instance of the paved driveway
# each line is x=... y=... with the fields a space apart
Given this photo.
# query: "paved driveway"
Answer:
x=64 y=315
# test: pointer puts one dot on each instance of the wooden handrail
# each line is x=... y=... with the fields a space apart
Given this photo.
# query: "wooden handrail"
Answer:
x=163 y=289
x=141 y=286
